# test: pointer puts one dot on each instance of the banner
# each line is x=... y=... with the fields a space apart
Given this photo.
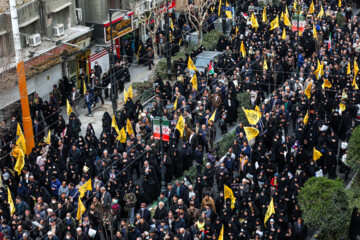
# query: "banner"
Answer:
x=165 y=129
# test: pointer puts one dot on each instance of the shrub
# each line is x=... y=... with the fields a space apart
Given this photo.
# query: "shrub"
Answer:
x=325 y=207
x=225 y=143
x=340 y=19
x=353 y=156
x=244 y=102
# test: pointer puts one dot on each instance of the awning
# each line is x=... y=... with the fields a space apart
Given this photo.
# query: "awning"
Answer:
x=61 y=7
x=29 y=21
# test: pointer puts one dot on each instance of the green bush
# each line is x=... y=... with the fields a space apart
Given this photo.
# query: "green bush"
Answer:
x=161 y=69
x=210 y=40
x=141 y=87
x=225 y=143
x=325 y=206
x=353 y=192
x=244 y=102
x=353 y=156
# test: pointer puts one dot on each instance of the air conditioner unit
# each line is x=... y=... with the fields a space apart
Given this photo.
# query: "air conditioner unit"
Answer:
x=34 y=40
x=59 y=30
x=79 y=14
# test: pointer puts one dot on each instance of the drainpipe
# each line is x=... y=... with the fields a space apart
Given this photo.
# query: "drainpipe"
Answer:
x=15 y=30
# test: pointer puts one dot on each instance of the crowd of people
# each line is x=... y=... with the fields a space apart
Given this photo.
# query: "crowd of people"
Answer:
x=301 y=108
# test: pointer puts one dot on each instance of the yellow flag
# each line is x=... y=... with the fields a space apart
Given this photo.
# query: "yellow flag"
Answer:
x=221 y=235
x=252 y=116
x=191 y=65
x=180 y=125
x=236 y=30
x=342 y=107
x=212 y=118
x=129 y=128
x=85 y=187
x=354 y=83
x=130 y=93
x=287 y=12
x=194 y=82
x=284 y=34
x=254 y=21
x=326 y=84
x=125 y=96
x=251 y=132
x=10 y=202
x=81 y=210
x=18 y=130
x=275 y=23
x=348 y=68
x=84 y=88
x=171 y=23
x=20 y=141
x=308 y=91
x=321 y=13
x=314 y=32
x=242 y=49
x=294 y=6
x=138 y=53
x=356 y=67
x=68 y=108
x=122 y=135
x=47 y=140
x=311 y=8
x=306 y=118
x=264 y=17
x=339 y=4
x=282 y=15
x=265 y=66
x=257 y=109
x=114 y=124
x=287 y=21
x=20 y=162
x=269 y=211
x=175 y=103
x=316 y=154
x=228 y=193
x=219 y=9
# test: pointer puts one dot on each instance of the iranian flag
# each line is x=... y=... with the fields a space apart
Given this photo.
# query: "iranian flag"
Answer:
x=329 y=44
x=211 y=69
x=165 y=129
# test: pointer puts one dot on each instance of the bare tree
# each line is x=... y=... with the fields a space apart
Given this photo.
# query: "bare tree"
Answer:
x=197 y=14
x=152 y=25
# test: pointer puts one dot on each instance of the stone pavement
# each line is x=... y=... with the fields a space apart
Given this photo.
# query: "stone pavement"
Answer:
x=137 y=74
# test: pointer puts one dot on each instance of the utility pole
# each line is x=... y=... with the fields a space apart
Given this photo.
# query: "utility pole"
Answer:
x=114 y=89
x=20 y=66
x=167 y=33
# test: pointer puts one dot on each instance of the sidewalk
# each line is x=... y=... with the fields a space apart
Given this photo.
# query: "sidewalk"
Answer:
x=137 y=74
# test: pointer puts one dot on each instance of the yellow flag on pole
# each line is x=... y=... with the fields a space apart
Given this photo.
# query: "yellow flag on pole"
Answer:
x=194 y=82
x=348 y=71
x=282 y=15
x=125 y=96
x=87 y=186
x=314 y=32
x=284 y=34
x=18 y=130
x=20 y=141
x=84 y=87
x=242 y=49
x=130 y=92
x=228 y=193
x=257 y=109
x=339 y=4
x=306 y=118
x=275 y=23
x=114 y=124
x=219 y=9
x=122 y=135
x=47 y=140
x=175 y=103
x=221 y=235
x=191 y=65
x=252 y=116
x=251 y=132
x=321 y=13
x=81 y=209
x=308 y=91
x=68 y=108
x=356 y=67
x=354 y=83
x=264 y=17
x=10 y=202
x=294 y=6
x=212 y=118
x=316 y=154
x=269 y=211
x=254 y=22
x=180 y=125
x=20 y=162
x=311 y=8
x=129 y=128
x=326 y=84
x=342 y=107
x=287 y=12
x=265 y=66
x=287 y=21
